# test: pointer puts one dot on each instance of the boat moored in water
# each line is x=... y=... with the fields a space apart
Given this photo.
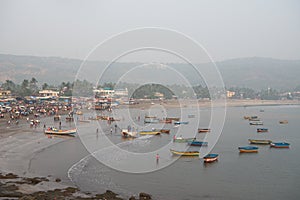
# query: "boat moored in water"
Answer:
x=280 y=145
x=212 y=157
x=203 y=130
x=283 y=122
x=185 y=153
x=181 y=139
x=248 y=149
x=259 y=130
x=178 y=123
x=197 y=143
x=256 y=123
x=253 y=141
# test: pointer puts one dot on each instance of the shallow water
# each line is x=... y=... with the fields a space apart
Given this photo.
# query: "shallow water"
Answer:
x=269 y=174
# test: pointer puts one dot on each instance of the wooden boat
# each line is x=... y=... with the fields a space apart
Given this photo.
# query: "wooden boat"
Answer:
x=56 y=117
x=173 y=118
x=283 y=122
x=259 y=130
x=166 y=121
x=252 y=141
x=197 y=143
x=246 y=117
x=126 y=133
x=167 y=131
x=211 y=157
x=55 y=131
x=203 y=130
x=181 y=139
x=185 y=153
x=254 y=120
x=280 y=145
x=149 y=133
x=256 y=123
x=178 y=123
x=248 y=149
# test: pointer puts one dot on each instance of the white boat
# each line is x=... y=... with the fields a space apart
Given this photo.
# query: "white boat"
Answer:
x=126 y=133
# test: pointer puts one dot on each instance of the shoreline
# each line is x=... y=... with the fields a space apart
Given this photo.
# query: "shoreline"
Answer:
x=19 y=144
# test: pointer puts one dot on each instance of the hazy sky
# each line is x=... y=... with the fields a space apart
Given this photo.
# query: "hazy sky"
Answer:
x=227 y=29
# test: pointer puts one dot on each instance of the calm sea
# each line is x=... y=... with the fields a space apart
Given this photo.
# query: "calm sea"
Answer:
x=269 y=174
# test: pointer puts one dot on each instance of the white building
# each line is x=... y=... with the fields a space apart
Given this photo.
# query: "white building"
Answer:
x=48 y=93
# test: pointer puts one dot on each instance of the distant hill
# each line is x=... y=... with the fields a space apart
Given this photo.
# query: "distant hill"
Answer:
x=257 y=73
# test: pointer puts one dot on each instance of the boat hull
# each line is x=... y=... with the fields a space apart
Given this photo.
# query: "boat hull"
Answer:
x=149 y=133
x=266 y=142
x=210 y=158
x=280 y=145
x=184 y=153
x=61 y=132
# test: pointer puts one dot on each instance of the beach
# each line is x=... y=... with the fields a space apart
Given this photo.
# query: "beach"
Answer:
x=20 y=144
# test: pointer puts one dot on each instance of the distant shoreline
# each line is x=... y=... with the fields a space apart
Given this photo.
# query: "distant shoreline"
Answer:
x=206 y=103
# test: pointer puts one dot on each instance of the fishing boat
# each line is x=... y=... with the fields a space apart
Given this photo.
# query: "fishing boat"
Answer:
x=212 y=157
x=191 y=116
x=181 y=139
x=166 y=121
x=126 y=133
x=185 y=153
x=197 y=143
x=283 y=122
x=151 y=120
x=179 y=123
x=203 y=130
x=149 y=133
x=167 y=131
x=248 y=149
x=252 y=141
x=173 y=118
x=254 y=120
x=259 y=130
x=280 y=145
x=255 y=123
x=55 y=131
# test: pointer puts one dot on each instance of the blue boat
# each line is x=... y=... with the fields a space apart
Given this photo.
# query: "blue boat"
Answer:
x=248 y=149
x=280 y=145
x=259 y=130
x=197 y=143
x=178 y=123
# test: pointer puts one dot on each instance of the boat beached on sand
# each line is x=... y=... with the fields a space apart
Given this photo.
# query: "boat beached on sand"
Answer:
x=126 y=133
x=55 y=131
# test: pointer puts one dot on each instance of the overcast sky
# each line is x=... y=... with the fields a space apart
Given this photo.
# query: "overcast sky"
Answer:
x=227 y=29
